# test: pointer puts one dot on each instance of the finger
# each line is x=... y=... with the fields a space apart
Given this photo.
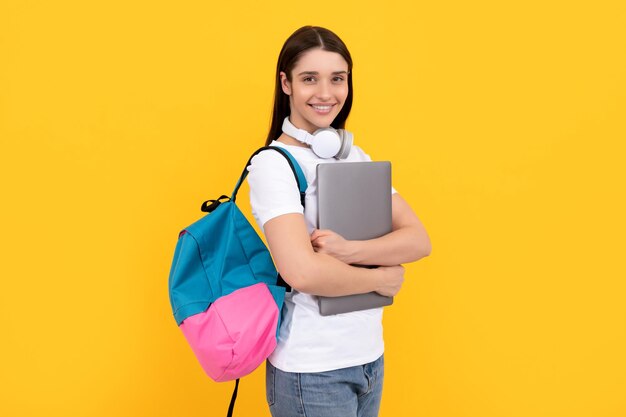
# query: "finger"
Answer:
x=317 y=233
x=324 y=231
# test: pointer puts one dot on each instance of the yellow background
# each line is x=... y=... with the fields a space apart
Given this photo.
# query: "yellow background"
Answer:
x=505 y=123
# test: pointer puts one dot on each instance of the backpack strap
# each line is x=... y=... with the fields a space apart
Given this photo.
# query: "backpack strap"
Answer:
x=300 y=180
x=231 y=407
x=302 y=186
x=293 y=164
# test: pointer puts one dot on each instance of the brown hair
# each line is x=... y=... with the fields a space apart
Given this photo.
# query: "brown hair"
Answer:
x=303 y=39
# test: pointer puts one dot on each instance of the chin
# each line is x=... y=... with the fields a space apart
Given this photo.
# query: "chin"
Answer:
x=323 y=121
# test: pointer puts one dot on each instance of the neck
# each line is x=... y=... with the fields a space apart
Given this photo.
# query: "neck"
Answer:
x=288 y=140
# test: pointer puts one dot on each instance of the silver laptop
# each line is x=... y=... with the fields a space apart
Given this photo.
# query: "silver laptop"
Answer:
x=354 y=200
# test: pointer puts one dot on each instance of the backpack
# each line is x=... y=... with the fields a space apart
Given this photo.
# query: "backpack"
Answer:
x=225 y=292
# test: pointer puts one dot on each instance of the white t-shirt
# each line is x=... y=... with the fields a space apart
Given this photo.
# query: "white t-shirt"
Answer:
x=309 y=342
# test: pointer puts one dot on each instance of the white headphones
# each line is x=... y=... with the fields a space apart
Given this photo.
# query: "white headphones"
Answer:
x=326 y=142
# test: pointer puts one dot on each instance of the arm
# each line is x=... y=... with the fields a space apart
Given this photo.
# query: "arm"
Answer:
x=276 y=206
x=318 y=273
x=408 y=241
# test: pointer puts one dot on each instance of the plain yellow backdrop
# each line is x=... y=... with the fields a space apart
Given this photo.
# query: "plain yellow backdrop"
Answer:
x=505 y=124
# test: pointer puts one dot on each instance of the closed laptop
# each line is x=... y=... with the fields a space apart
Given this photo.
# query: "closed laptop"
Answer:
x=354 y=200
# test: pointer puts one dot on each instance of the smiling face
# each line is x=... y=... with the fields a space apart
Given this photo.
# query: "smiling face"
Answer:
x=317 y=90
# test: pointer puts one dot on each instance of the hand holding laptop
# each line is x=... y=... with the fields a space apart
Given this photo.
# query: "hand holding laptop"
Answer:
x=333 y=244
x=394 y=280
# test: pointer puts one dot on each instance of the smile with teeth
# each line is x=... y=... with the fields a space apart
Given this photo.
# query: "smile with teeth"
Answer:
x=322 y=109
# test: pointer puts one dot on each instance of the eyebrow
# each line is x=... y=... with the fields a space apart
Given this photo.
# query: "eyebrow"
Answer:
x=317 y=73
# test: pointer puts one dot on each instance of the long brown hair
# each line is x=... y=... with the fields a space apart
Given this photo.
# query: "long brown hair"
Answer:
x=303 y=39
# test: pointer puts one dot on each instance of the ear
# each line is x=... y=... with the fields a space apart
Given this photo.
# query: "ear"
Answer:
x=284 y=83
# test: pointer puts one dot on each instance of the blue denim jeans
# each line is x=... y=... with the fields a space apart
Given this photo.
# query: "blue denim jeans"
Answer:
x=347 y=392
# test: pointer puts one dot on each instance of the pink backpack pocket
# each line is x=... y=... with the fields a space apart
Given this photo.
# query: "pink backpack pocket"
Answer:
x=235 y=334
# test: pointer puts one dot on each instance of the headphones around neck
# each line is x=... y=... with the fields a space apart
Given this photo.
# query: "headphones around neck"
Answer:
x=326 y=142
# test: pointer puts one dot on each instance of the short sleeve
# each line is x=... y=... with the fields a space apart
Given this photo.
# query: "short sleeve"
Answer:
x=273 y=187
x=365 y=157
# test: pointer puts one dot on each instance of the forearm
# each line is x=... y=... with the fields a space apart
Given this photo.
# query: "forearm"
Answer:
x=318 y=273
x=324 y=275
x=401 y=246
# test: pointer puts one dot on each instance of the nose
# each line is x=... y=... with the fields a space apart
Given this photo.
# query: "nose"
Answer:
x=323 y=91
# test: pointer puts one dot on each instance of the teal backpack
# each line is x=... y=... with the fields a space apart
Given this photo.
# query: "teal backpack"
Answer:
x=225 y=292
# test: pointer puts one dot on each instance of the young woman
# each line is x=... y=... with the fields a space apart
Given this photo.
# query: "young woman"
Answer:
x=323 y=365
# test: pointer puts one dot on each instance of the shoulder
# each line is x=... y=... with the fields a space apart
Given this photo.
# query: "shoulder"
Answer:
x=273 y=187
x=268 y=160
x=268 y=155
